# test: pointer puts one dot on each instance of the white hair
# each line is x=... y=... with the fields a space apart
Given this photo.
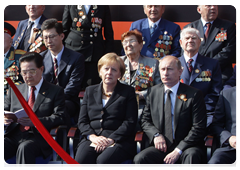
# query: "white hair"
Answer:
x=189 y=30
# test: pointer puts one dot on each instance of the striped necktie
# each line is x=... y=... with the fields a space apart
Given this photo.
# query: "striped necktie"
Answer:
x=55 y=70
x=153 y=28
x=190 y=67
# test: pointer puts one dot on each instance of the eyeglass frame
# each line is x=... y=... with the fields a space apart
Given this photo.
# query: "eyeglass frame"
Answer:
x=31 y=72
x=50 y=37
x=131 y=41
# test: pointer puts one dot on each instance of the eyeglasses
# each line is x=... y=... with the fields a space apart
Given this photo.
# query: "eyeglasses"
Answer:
x=31 y=72
x=125 y=42
x=50 y=36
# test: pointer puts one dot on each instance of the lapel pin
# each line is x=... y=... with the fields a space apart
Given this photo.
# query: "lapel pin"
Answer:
x=43 y=93
x=197 y=71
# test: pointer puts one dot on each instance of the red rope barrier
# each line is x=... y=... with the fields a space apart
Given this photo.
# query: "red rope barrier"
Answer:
x=43 y=131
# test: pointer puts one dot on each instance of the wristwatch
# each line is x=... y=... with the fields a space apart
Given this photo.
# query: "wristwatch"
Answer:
x=156 y=135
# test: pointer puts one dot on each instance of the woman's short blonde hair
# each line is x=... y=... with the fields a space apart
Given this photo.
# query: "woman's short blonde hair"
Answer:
x=111 y=58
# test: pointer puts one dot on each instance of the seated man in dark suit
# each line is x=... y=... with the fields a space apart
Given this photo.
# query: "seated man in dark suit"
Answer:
x=27 y=33
x=47 y=102
x=219 y=38
x=160 y=36
x=224 y=128
x=174 y=119
x=199 y=71
x=63 y=66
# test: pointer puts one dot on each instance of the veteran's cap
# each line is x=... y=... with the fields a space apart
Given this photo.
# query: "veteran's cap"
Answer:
x=8 y=28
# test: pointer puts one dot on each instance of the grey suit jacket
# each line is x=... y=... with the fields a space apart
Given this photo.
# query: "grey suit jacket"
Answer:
x=224 y=118
x=189 y=115
x=49 y=108
x=143 y=77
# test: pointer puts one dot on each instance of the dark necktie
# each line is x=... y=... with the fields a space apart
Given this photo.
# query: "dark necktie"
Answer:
x=207 y=30
x=190 y=67
x=168 y=120
x=31 y=101
x=27 y=36
x=55 y=71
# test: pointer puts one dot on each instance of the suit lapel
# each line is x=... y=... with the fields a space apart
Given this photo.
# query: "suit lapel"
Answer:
x=64 y=61
x=98 y=95
x=178 y=106
x=146 y=31
x=160 y=102
x=185 y=74
x=48 y=64
x=41 y=96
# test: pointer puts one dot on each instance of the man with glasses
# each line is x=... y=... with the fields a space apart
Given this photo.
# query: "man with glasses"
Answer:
x=160 y=36
x=219 y=40
x=21 y=138
x=63 y=67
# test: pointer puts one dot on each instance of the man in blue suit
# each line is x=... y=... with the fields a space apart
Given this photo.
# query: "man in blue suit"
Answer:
x=202 y=73
x=160 y=37
x=62 y=66
x=28 y=31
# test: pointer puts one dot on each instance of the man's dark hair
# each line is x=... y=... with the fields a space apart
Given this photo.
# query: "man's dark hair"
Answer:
x=32 y=56
x=52 y=23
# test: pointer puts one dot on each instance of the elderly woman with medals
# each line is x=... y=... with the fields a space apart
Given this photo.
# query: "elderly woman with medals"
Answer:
x=108 y=117
x=141 y=72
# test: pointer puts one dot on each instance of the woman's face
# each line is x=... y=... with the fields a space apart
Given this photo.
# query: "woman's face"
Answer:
x=131 y=45
x=110 y=73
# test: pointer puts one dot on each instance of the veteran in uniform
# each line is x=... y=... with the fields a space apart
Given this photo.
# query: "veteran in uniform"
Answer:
x=11 y=58
x=82 y=26
x=199 y=71
x=141 y=72
x=220 y=43
x=28 y=34
x=160 y=36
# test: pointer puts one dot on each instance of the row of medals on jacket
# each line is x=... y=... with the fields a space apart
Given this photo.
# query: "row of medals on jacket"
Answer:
x=96 y=22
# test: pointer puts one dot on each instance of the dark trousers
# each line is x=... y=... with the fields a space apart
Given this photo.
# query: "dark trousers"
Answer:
x=87 y=155
x=23 y=145
x=151 y=155
x=223 y=156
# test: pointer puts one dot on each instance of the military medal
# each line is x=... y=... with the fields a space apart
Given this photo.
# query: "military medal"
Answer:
x=80 y=13
x=221 y=36
x=197 y=71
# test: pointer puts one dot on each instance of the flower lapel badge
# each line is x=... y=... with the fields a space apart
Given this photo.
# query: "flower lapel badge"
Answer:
x=183 y=97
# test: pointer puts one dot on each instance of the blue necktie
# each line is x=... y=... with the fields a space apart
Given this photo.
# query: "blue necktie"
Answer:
x=152 y=29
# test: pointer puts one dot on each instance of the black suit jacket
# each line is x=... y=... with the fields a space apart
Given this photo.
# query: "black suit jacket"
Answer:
x=70 y=72
x=189 y=116
x=116 y=120
x=85 y=41
x=224 y=118
x=49 y=108
x=224 y=52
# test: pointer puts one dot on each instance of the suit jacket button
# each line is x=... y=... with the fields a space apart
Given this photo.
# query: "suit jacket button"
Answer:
x=102 y=112
x=101 y=120
x=101 y=129
x=91 y=42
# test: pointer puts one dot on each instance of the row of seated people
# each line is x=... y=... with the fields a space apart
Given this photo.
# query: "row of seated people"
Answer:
x=82 y=28
x=141 y=72
x=174 y=117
